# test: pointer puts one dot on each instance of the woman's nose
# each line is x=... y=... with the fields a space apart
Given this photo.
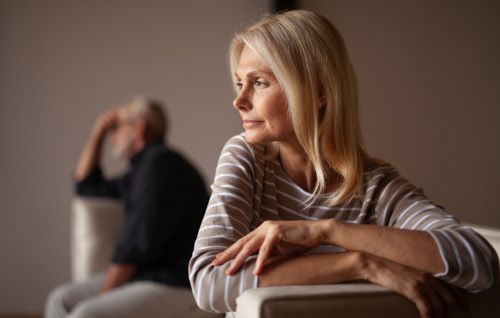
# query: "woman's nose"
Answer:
x=241 y=102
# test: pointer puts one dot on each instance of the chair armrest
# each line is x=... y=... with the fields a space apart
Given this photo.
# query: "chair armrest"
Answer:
x=346 y=300
x=95 y=228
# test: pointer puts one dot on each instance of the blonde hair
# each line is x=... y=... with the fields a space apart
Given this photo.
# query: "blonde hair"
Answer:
x=152 y=112
x=309 y=60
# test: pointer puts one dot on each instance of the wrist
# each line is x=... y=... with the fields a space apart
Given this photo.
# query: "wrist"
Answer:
x=366 y=266
x=332 y=230
x=325 y=229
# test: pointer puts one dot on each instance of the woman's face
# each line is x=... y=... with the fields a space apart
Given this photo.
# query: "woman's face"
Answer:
x=261 y=102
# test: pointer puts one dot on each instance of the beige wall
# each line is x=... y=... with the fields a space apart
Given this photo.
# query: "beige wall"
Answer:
x=428 y=74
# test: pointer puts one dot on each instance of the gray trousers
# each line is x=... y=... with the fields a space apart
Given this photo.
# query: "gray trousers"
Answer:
x=137 y=299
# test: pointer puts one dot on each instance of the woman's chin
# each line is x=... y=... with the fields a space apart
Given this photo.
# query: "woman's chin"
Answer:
x=253 y=138
x=249 y=139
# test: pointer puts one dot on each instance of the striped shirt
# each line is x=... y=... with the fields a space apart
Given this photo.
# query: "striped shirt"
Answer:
x=248 y=190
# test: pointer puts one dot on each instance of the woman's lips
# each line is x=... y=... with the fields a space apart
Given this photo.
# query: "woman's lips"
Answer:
x=251 y=123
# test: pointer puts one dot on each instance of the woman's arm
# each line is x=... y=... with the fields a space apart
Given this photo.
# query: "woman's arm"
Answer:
x=444 y=248
x=227 y=218
x=469 y=261
x=416 y=249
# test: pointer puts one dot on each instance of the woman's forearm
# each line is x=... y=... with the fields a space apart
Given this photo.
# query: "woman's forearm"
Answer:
x=313 y=269
x=416 y=249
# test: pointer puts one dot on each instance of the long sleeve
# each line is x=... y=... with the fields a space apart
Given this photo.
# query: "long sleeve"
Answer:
x=228 y=217
x=471 y=263
x=96 y=185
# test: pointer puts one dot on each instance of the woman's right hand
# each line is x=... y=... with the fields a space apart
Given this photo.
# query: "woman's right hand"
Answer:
x=272 y=238
x=431 y=296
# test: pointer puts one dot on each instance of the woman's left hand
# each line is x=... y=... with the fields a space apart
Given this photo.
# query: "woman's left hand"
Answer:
x=272 y=238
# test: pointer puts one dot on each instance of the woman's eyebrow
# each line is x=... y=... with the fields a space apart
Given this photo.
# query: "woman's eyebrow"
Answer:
x=255 y=71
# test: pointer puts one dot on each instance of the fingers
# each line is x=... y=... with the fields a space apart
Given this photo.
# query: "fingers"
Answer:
x=461 y=298
x=106 y=121
x=228 y=254
x=438 y=298
x=248 y=249
x=287 y=237
x=109 y=119
x=239 y=251
x=431 y=296
x=458 y=295
x=262 y=239
x=264 y=253
x=445 y=297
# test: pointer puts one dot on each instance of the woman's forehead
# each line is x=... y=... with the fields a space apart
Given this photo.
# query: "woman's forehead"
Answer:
x=250 y=62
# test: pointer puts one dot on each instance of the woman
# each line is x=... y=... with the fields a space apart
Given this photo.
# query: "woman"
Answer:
x=298 y=186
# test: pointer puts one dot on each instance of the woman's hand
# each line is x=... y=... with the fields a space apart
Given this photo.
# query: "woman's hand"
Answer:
x=272 y=238
x=432 y=297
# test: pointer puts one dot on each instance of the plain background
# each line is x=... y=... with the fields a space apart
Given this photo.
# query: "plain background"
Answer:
x=428 y=74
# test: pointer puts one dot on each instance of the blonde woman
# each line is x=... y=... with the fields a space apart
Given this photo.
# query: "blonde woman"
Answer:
x=298 y=200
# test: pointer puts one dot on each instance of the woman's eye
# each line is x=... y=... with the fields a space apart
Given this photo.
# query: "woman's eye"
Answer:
x=239 y=85
x=261 y=84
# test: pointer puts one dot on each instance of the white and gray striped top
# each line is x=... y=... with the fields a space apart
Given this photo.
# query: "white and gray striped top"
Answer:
x=248 y=190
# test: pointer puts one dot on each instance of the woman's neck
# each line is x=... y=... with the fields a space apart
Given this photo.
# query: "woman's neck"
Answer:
x=297 y=165
x=299 y=168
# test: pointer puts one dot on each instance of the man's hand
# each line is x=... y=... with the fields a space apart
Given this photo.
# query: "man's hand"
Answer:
x=118 y=274
x=106 y=122
x=91 y=154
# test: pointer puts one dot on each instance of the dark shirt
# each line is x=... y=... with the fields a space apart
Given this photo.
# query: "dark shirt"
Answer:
x=164 y=201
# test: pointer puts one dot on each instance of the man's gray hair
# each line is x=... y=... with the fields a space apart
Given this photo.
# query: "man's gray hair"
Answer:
x=153 y=113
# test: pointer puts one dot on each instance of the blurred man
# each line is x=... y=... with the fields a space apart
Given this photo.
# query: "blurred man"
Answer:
x=164 y=199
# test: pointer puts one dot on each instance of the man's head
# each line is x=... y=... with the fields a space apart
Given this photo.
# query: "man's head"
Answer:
x=138 y=122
